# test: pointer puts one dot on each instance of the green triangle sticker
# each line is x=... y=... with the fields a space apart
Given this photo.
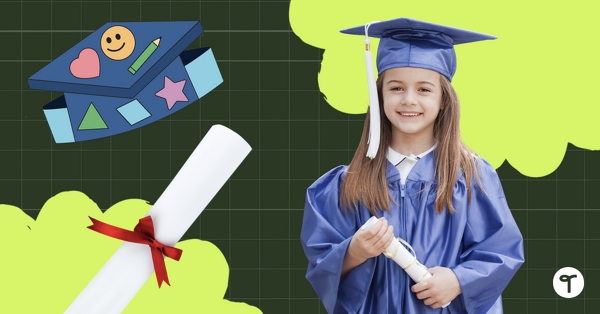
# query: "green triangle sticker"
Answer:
x=92 y=120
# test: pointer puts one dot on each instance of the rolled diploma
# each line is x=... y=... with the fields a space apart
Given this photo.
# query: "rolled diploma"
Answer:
x=403 y=257
x=207 y=169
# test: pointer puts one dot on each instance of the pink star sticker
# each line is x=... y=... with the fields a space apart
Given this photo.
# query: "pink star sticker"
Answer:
x=172 y=92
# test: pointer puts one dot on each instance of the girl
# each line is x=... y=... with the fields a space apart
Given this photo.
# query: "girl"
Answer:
x=413 y=171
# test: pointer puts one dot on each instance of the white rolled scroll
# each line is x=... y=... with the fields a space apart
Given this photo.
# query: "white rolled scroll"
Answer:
x=397 y=252
x=207 y=169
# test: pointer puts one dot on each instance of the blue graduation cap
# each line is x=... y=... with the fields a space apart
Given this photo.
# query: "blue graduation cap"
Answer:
x=406 y=42
x=124 y=76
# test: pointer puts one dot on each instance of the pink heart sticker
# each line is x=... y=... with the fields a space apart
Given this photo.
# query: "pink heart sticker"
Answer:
x=87 y=65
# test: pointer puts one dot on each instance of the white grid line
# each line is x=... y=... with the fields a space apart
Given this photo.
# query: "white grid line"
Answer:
x=259 y=145
x=80 y=146
x=140 y=131
x=218 y=61
x=556 y=235
x=21 y=116
x=177 y=1
x=584 y=240
x=289 y=113
x=229 y=116
x=319 y=148
x=91 y=31
x=300 y=209
x=110 y=151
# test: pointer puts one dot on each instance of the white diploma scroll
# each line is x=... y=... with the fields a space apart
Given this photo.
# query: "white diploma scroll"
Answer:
x=397 y=252
x=204 y=173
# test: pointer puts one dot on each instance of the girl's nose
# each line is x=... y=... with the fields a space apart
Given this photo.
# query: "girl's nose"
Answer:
x=409 y=98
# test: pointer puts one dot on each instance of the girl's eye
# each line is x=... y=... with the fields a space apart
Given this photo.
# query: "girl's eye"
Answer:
x=425 y=90
x=397 y=88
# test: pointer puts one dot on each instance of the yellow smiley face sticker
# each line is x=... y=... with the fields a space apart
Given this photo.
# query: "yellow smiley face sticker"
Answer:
x=117 y=42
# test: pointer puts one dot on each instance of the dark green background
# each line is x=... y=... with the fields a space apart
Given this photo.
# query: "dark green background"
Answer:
x=271 y=98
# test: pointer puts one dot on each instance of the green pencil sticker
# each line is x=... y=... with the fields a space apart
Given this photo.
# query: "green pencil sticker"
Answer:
x=144 y=56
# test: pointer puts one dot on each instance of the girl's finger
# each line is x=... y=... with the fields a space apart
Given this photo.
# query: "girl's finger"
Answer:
x=391 y=239
x=382 y=231
x=369 y=234
x=386 y=239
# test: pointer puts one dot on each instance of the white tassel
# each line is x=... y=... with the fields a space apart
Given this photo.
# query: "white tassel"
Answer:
x=375 y=125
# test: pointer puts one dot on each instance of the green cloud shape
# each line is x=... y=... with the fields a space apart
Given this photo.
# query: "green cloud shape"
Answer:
x=524 y=96
x=47 y=262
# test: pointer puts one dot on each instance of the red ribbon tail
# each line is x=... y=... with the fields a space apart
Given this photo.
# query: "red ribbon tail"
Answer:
x=117 y=232
x=172 y=252
x=159 y=266
x=95 y=223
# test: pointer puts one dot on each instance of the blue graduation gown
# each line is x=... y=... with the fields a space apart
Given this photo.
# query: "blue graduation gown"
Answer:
x=480 y=242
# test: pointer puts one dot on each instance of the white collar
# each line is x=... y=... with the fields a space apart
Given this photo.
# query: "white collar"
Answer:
x=395 y=157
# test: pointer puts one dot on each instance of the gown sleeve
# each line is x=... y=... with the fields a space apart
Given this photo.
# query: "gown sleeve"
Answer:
x=325 y=236
x=492 y=245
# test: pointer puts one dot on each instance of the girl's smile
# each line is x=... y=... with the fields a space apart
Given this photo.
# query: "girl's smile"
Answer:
x=410 y=114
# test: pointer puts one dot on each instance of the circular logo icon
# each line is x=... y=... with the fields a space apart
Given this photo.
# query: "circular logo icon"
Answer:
x=568 y=282
x=117 y=42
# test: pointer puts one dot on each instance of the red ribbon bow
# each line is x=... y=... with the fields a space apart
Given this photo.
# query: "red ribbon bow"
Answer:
x=143 y=233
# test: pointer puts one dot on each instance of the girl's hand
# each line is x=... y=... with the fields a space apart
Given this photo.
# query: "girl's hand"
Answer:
x=367 y=244
x=440 y=289
x=371 y=243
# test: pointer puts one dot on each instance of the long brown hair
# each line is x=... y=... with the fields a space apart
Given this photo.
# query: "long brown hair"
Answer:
x=366 y=180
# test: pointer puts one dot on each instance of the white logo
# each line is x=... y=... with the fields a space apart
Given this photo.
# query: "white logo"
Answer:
x=568 y=282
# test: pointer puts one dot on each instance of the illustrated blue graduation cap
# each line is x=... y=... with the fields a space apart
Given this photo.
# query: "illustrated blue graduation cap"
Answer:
x=406 y=42
x=124 y=76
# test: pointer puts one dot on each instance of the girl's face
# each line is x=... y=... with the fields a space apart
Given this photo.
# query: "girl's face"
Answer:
x=412 y=99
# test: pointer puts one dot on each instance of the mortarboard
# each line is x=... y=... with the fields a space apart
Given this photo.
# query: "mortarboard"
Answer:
x=124 y=76
x=406 y=42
